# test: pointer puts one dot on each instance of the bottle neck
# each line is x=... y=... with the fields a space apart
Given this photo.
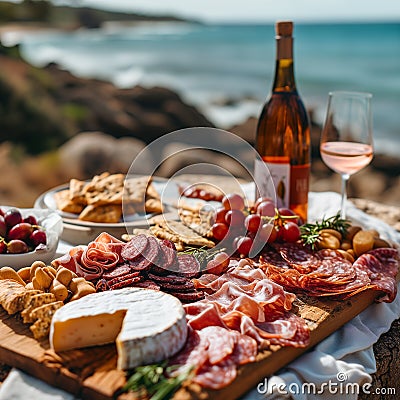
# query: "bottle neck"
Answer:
x=284 y=72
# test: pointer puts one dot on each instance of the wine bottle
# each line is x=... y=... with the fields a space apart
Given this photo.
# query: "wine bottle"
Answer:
x=283 y=134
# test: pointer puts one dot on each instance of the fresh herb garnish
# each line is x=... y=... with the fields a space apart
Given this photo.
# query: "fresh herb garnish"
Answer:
x=202 y=254
x=156 y=381
x=310 y=232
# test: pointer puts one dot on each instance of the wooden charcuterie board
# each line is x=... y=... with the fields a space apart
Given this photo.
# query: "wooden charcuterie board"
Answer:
x=92 y=373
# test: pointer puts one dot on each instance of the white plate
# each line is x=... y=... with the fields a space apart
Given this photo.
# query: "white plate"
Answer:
x=53 y=225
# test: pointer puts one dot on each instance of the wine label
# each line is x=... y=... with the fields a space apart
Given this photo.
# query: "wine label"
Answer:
x=300 y=176
x=273 y=180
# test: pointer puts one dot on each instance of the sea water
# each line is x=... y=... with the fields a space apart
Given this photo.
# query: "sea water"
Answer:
x=227 y=70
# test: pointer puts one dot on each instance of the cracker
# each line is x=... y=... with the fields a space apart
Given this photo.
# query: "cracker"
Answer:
x=45 y=312
x=178 y=232
x=105 y=190
x=151 y=192
x=198 y=221
x=105 y=213
x=77 y=191
x=64 y=203
x=40 y=329
x=153 y=206
x=135 y=189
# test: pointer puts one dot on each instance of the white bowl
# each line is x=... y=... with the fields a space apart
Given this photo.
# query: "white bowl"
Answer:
x=52 y=224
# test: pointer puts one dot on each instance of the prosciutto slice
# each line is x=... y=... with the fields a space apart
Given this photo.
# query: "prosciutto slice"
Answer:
x=101 y=255
x=244 y=300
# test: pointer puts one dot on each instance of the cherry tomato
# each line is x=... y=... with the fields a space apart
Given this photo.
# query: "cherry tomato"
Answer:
x=233 y=201
x=252 y=222
x=219 y=230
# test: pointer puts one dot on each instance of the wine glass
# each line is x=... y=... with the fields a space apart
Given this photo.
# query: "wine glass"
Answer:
x=346 y=139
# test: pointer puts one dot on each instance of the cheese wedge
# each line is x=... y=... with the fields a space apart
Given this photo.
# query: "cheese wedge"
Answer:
x=148 y=326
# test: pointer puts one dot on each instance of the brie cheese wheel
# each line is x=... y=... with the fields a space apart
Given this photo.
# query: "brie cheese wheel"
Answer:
x=148 y=326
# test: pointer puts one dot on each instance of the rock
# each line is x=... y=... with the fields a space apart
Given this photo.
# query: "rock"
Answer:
x=92 y=153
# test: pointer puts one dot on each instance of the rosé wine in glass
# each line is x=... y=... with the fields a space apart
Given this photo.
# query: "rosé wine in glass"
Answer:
x=346 y=138
x=346 y=157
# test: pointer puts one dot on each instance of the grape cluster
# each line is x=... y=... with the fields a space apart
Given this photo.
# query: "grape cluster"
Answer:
x=18 y=234
x=248 y=229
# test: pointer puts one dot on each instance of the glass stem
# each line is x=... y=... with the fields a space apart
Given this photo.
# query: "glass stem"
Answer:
x=345 y=178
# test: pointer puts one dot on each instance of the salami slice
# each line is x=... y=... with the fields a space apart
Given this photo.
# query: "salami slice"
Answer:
x=188 y=297
x=126 y=283
x=147 y=285
x=149 y=256
x=135 y=248
x=174 y=279
x=169 y=258
x=119 y=270
x=171 y=288
x=188 y=266
x=122 y=278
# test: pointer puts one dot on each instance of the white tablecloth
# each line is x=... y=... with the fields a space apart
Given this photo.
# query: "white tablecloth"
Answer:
x=338 y=367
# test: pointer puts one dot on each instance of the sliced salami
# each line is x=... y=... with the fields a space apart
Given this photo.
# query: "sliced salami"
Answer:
x=169 y=259
x=135 y=248
x=188 y=297
x=122 y=278
x=119 y=270
x=188 y=266
x=149 y=257
x=174 y=279
x=126 y=283
x=181 y=287
x=147 y=285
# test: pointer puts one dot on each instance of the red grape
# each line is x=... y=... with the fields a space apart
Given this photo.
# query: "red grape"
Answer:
x=20 y=231
x=244 y=245
x=235 y=242
x=252 y=222
x=17 y=246
x=233 y=201
x=219 y=215
x=3 y=247
x=261 y=200
x=234 y=218
x=265 y=232
x=30 y=219
x=266 y=209
x=38 y=237
x=219 y=230
x=3 y=227
x=290 y=232
x=12 y=217
x=2 y=212
x=219 y=264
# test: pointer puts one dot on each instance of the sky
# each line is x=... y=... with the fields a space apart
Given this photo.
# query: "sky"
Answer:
x=259 y=10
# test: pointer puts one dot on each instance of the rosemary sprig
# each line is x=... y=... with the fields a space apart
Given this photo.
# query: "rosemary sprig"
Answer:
x=310 y=232
x=155 y=380
x=203 y=254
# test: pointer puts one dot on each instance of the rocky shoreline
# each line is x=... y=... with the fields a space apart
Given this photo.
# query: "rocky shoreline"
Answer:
x=46 y=112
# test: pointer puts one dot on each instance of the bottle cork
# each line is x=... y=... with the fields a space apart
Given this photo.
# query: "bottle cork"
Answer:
x=284 y=28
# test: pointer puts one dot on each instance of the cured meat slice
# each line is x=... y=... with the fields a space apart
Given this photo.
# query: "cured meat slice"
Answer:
x=71 y=260
x=173 y=279
x=180 y=287
x=389 y=259
x=135 y=248
x=187 y=297
x=202 y=314
x=221 y=343
x=204 y=281
x=147 y=285
x=119 y=270
x=150 y=256
x=216 y=376
x=214 y=354
x=188 y=266
x=122 y=278
x=125 y=283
